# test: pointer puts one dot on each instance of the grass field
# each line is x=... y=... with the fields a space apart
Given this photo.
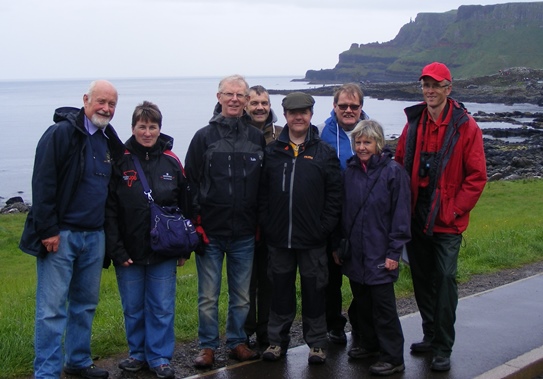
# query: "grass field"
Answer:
x=506 y=231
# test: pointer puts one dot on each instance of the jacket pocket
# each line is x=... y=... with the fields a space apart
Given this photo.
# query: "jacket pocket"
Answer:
x=446 y=209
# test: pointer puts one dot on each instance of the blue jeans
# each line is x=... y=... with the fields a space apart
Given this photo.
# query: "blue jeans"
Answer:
x=148 y=298
x=239 y=264
x=66 y=298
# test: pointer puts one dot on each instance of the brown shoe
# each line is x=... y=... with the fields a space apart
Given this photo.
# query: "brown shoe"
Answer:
x=243 y=353
x=205 y=358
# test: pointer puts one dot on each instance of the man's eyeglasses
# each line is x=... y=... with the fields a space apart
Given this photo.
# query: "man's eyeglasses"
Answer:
x=433 y=86
x=230 y=95
x=343 y=107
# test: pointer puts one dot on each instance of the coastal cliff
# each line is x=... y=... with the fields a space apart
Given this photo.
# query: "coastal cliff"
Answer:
x=473 y=40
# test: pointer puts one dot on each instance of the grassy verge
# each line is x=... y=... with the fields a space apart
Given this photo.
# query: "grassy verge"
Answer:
x=505 y=232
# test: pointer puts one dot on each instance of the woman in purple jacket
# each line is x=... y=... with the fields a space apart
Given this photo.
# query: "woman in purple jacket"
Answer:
x=376 y=220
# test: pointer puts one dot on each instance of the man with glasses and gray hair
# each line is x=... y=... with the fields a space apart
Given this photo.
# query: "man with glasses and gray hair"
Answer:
x=223 y=165
x=336 y=130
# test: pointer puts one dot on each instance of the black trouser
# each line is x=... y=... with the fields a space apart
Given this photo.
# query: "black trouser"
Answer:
x=334 y=301
x=283 y=265
x=379 y=326
x=260 y=294
x=433 y=261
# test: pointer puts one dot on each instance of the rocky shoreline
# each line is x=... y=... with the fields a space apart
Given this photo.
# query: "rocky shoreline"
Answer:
x=511 y=86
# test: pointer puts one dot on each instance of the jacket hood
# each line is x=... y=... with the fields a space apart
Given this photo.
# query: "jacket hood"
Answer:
x=218 y=117
x=272 y=118
x=375 y=161
x=66 y=114
x=72 y=115
x=164 y=142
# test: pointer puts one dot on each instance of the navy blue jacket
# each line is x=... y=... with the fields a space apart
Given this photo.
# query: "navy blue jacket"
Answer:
x=58 y=167
x=382 y=226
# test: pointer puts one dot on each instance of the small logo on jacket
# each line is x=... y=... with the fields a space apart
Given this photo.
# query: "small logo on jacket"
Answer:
x=130 y=177
x=166 y=176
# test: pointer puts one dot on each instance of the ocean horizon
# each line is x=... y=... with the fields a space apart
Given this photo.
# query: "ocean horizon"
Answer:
x=186 y=104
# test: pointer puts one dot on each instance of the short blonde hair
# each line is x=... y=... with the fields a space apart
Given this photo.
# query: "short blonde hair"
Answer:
x=370 y=129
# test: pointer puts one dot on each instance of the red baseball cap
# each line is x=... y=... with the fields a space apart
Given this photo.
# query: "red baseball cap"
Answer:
x=437 y=71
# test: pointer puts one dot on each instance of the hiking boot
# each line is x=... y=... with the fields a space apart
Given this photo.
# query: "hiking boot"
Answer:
x=242 y=353
x=90 y=372
x=441 y=363
x=358 y=352
x=423 y=346
x=273 y=353
x=163 y=371
x=132 y=364
x=205 y=358
x=316 y=355
x=337 y=336
x=385 y=368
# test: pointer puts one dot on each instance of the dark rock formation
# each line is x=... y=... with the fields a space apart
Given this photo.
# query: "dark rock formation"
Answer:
x=514 y=160
x=506 y=160
x=15 y=205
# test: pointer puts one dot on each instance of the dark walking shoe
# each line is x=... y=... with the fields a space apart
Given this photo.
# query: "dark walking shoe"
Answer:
x=205 y=358
x=440 y=363
x=385 y=368
x=132 y=364
x=242 y=353
x=423 y=346
x=90 y=372
x=358 y=352
x=337 y=336
x=273 y=353
x=316 y=355
x=163 y=371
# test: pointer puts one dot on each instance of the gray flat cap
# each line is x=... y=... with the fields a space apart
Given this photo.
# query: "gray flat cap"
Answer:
x=297 y=100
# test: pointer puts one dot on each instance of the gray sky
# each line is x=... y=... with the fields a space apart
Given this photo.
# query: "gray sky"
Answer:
x=71 y=39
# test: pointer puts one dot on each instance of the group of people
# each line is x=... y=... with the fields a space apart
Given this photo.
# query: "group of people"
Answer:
x=319 y=201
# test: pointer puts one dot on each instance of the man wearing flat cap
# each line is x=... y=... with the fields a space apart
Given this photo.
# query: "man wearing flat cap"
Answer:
x=441 y=148
x=300 y=202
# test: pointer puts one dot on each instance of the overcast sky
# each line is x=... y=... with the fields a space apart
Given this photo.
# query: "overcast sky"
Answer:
x=73 y=39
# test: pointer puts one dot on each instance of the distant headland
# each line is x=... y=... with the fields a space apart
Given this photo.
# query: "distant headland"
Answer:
x=473 y=40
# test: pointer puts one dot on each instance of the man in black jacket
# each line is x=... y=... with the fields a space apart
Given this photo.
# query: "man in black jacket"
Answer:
x=223 y=165
x=300 y=196
x=64 y=230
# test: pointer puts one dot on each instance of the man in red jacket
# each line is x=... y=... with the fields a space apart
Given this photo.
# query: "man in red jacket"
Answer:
x=441 y=148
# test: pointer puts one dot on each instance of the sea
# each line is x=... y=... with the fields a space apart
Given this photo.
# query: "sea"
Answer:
x=27 y=108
